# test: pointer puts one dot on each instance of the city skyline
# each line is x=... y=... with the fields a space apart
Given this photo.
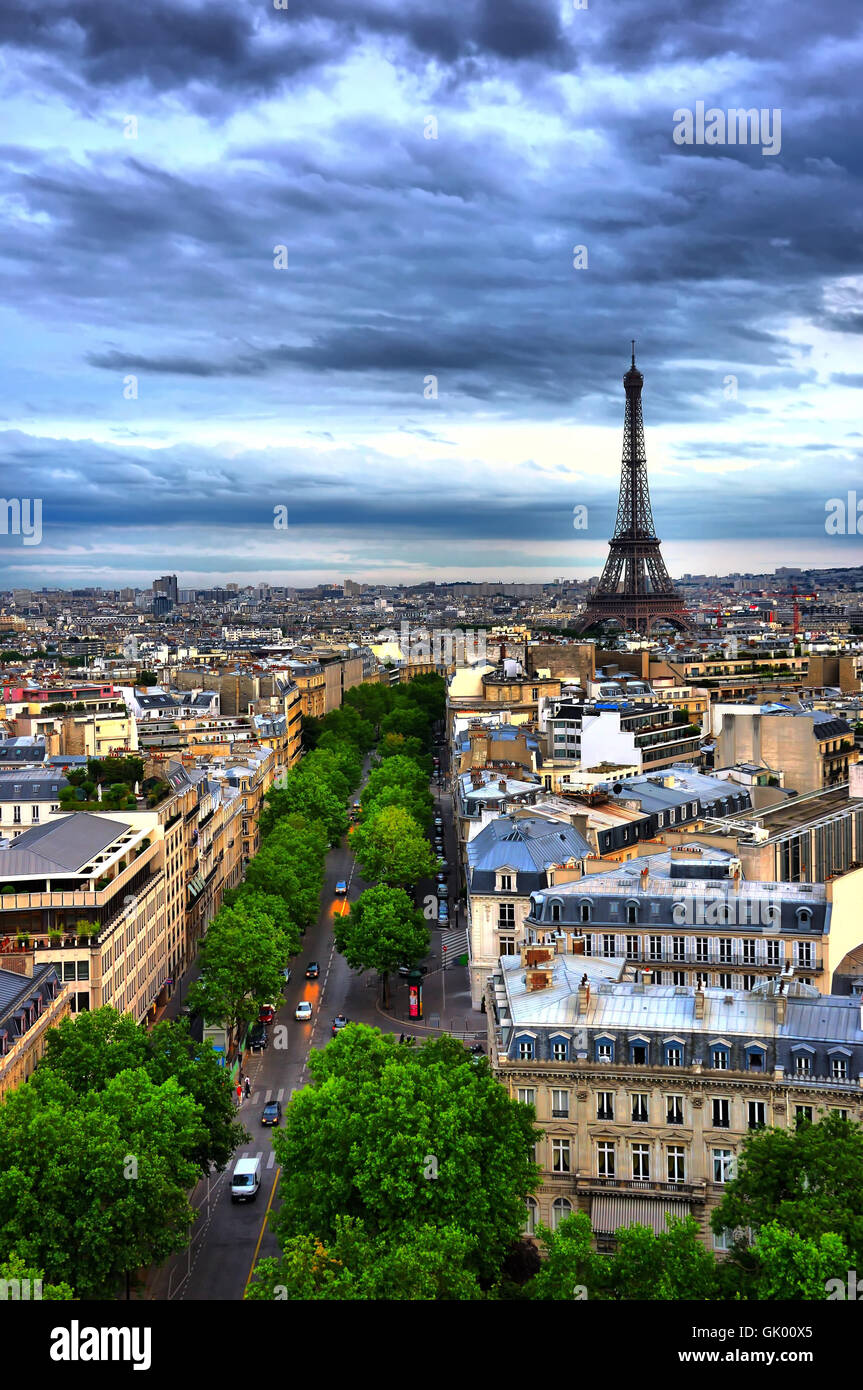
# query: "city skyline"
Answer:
x=486 y=205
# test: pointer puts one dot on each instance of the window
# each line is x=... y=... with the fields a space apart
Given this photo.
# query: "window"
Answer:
x=505 y=916
x=560 y=1210
x=632 y=912
x=525 y=1050
x=802 y=1064
x=638 y=1054
x=723 y=1165
x=719 y=1058
x=725 y=957
x=755 y=1114
x=802 y=1115
x=555 y=912
x=678 y=948
x=605 y=1105
x=605 y=1160
x=748 y=951
x=530 y=1220
x=34 y=814
x=678 y=977
x=507 y=946
x=654 y=947
x=674 y=1110
x=641 y=1161
x=724 y=980
x=722 y=1240
x=560 y=1105
x=839 y=1068
x=506 y=883
x=560 y=1155
x=721 y=1107
x=559 y=1050
x=608 y=944
x=527 y=1095
x=843 y=1114
x=774 y=952
x=755 y=1059
x=16 y=815
x=605 y=1052
x=804 y=954
x=748 y=981
x=584 y=912
x=633 y=947
x=640 y=1112
x=702 y=951
x=676 y=1163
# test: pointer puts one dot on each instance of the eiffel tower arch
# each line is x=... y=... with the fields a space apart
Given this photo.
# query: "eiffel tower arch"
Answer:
x=635 y=588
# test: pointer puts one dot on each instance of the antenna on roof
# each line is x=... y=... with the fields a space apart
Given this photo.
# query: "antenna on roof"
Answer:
x=632 y=340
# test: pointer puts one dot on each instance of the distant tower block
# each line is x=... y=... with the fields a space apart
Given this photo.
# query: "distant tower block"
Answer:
x=635 y=589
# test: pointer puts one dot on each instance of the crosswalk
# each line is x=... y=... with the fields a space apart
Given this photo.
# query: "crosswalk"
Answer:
x=455 y=942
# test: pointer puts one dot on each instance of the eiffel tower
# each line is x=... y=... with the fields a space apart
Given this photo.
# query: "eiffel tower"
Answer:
x=635 y=588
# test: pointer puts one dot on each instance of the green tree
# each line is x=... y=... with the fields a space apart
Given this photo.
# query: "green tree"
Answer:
x=382 y=929
x=809 y=1180
x=146 y=678
x=16 y=1269
x=791 y=1266
x=93 y=1187
x=391 y=847
x=241 y=960
x=401 y=1137
x=420 y=805
x=671 y=1266
x=570 y=1264
x=427 y=1263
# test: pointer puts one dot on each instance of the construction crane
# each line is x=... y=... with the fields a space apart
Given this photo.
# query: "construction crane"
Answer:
x=795 y=626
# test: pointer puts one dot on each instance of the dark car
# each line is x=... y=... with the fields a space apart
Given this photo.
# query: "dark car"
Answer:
x=444 y=867
x=313 y=970
x=438 y=844
x=441 y=876
x=339 y=1022
x=272 y=1113
x=258 y=1038
x=438 y=823
x=443 y=889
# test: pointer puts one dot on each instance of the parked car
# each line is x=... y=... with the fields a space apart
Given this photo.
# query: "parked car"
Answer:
x=272 y=1113
x=444 y=867
x=438 y=845
x=438 y=823
x=257 y=1039
x=303 y=1012
x=443 y=889
x=267 y=1013
x=339 y=1022
x=313 y=970
x=442 y=913
x=341 y=887
x=441 y=876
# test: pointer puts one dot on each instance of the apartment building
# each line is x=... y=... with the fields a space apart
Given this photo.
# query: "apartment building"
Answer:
x=475 y=692
x=28 y=795
x=30 y=1004
x=644 y=736
x=507 y=861
x=814 y=748
x=90 y=720
x=686 y=916
x=645 y=1093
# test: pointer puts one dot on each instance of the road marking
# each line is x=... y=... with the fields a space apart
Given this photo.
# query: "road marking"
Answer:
x=272 y=1158
x=263 y=1228
x=280 y=1094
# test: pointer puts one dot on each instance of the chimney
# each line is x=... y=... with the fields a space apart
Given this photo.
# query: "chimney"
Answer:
x=647 y=977
x=781 y=1003
x=699 y=1002
x=583 y=996
x=577 y=945
x=645 y=874
x=502 y=784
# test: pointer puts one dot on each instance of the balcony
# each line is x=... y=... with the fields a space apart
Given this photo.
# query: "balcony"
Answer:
x=648 y=1187
x=79 y=897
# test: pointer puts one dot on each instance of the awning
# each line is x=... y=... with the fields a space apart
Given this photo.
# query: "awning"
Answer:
x=196 y=887
x=608 y=1214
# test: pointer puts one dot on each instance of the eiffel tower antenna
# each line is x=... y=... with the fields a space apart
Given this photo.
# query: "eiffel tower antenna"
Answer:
x=635 y=588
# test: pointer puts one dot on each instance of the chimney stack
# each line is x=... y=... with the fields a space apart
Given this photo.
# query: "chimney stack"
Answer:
x=583 y=996
x=699 y=1002
x=781 y=1003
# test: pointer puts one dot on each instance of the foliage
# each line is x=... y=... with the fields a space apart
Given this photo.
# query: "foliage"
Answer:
x=791 y=1266
x=392 y=848
x=379 y=1121
x=16 y=1268
x=382 y=929
x=241 y=960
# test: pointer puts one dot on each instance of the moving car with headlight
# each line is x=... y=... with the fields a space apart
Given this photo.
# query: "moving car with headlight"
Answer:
x=272 y=1113
x=303 y=1012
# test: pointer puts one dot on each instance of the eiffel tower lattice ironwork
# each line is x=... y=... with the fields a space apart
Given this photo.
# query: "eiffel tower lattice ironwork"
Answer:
x=635 y=588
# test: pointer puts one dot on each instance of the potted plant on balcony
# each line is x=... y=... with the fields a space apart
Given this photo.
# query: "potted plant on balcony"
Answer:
x=84 y=929
x=23 y=940
x=55 y=935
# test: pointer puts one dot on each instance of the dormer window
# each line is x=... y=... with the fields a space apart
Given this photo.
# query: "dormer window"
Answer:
x=505 y=883
x=632 y=912
x=584 y=911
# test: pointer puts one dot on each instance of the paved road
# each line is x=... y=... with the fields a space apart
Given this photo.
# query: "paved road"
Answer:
x=228 y=1239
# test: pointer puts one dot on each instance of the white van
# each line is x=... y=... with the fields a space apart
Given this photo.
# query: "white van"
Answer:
x=246 y=1179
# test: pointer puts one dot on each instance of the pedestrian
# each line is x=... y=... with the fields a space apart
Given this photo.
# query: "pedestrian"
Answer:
x=401 y=1037
x=239 y=1093
x=248 y=1085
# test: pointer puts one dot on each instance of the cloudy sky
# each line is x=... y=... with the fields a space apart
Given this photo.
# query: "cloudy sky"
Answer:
x=321 y=259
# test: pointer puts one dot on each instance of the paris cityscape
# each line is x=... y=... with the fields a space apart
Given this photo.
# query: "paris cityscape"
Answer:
x=431 y=667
